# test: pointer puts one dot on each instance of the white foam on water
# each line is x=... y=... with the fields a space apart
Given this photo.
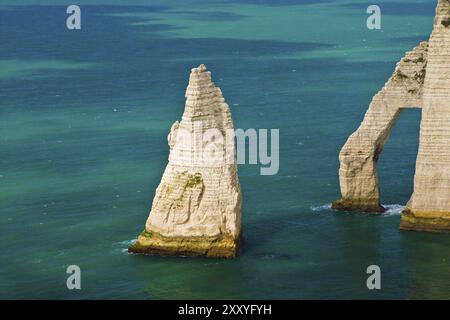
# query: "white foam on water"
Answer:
x=321 y=207
x=126 y=242
x=122 y=246
x=393 y=210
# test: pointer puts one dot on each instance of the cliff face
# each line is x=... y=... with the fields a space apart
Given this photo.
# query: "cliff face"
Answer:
x=429 y=207
x=421 y=79
x=197 y=206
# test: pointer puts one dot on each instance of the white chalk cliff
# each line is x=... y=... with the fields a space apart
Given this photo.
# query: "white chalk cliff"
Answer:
x=421 y=80
x=197 y=206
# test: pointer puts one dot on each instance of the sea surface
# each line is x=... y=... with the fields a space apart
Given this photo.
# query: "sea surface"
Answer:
x=84 y=118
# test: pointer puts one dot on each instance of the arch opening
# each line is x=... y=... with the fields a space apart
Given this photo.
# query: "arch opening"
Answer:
x=397 y=162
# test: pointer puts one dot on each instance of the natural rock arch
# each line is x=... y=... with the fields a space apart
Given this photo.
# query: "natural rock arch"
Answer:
x=421 y=79
x=358 y=172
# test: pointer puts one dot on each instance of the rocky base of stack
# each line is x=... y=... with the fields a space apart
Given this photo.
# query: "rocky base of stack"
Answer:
x=359 y=205
x=425 y=221
x=155 y=244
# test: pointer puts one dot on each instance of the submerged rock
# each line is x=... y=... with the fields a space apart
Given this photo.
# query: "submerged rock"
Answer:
x=421 y=80
x=197 y=205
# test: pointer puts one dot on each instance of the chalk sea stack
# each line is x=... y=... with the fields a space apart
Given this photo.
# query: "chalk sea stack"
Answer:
x=196 y=210
x=421 y=80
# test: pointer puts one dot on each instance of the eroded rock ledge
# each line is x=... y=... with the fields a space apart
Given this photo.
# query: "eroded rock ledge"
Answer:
x=421 y=79
x=212 y=247
x=197 y=206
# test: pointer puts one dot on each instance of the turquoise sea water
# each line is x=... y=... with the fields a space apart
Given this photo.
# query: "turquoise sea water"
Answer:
x=84 y=117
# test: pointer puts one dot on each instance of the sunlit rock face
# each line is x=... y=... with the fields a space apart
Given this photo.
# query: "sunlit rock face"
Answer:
x=421 y=80
x=197 y=206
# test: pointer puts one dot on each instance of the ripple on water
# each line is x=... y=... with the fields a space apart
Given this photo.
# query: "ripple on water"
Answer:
x=122 y=246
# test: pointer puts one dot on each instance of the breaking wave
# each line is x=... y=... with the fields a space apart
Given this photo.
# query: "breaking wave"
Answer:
x=322 y=207
x=391 y=209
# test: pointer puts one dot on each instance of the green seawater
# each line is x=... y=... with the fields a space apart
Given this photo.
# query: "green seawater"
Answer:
x=84 y=118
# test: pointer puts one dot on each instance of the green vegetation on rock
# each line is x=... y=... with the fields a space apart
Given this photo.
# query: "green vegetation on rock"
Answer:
x=194 y=180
